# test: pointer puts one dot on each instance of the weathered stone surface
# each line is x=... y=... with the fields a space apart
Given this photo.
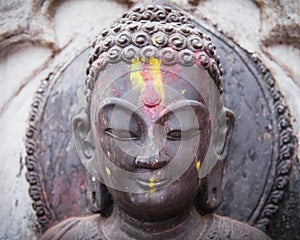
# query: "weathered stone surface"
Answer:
x=288 y=58
x=280 y=22
x=23 y=20
x=75 y=20
x=244 y=22
x=47 y=27
x=239 y=20
x=290 y=91
x=16 y=71
x=280 y=34
x=17 y=217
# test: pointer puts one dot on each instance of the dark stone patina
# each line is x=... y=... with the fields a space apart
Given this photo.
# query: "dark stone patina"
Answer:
x=183 y=208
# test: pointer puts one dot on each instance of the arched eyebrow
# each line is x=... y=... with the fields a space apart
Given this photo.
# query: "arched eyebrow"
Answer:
x=121 y=103
x=118 y=101
x=182 y=104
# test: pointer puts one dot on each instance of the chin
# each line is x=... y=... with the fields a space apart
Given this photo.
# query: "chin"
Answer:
x=161 y=204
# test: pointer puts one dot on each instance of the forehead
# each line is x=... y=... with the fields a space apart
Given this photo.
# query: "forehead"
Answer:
x=151 y=80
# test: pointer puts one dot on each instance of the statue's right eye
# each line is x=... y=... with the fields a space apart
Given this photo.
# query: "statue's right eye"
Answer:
x=177 y=134
x=174 y=135
x=121 y=134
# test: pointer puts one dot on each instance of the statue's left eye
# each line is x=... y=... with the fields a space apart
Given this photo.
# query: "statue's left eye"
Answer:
x=124 y=135
x=176 y=135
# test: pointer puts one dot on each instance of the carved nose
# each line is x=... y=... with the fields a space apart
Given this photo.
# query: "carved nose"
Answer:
x=150 y=162
x=150 y=157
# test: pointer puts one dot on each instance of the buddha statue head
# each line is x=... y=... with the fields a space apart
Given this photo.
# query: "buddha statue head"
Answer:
x=155 y=131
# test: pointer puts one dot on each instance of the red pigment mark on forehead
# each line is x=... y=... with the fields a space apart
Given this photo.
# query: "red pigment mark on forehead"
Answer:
x=152 y=81
x=150 y=97
x=150 y=101
x=151 y=114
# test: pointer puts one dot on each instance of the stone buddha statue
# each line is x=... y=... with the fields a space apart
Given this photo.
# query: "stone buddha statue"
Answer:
x=154 y=133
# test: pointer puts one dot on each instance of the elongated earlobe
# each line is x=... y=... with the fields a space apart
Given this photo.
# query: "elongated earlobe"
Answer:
x=99 y=198
x=210 y=196
x=83 y=138
x=230 y=122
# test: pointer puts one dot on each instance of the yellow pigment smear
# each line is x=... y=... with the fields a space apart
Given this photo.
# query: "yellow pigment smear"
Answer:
x=156 y=74
x=108 y=171
x=136 y=77
x=198 y=165
x=151 y=185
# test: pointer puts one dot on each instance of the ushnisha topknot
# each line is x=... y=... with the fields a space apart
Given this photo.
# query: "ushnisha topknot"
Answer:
x=153 y=31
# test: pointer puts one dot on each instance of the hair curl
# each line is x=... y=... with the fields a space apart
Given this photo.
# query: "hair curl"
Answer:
x=153 y=31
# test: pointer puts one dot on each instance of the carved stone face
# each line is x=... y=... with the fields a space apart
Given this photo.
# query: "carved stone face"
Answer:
x=145 y=120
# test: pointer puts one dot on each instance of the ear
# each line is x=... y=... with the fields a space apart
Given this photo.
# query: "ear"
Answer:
x=212 y=190
x=230 y=123
x=99 y=198
x=83 y=138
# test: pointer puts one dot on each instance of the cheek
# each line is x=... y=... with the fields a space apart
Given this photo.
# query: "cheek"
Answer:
x=170 y=149
x=116 y=155
x=190 y=183
x=204 y=143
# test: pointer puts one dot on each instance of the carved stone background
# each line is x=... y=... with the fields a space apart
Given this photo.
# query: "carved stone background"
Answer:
x=37 y=36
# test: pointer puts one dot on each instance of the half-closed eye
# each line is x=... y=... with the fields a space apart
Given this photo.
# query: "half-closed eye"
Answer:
x=176 y=135
x=121 y=134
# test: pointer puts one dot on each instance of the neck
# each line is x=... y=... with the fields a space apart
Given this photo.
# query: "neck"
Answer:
x=151 y=226
x=120 y=225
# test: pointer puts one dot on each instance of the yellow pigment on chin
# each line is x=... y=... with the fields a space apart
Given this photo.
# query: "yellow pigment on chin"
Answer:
x=151 y=185
x=153 y=190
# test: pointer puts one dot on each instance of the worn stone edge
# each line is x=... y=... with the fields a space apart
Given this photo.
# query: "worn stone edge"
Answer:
x=44 y=214
x=39 y=205
x=287 y=145
x=288 y=142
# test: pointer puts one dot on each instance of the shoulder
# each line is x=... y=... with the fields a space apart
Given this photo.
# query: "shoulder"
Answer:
x=76 y=228
x=226 y=228
x=239 y=231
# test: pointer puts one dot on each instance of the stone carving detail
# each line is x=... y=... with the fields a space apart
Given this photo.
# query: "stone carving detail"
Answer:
x=287 y=148
x=39 y=204
x=121 y=44
x=161 y=38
